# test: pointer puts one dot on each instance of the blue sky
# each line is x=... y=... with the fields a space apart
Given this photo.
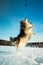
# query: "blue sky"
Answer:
x=13 y=11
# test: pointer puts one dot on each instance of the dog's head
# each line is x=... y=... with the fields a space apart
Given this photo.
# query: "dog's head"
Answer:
x=26 y=26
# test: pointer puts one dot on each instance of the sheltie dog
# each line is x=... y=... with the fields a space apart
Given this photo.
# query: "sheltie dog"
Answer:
x=24 y=35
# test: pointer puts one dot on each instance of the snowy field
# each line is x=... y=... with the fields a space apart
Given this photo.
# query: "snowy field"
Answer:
x=29 y=56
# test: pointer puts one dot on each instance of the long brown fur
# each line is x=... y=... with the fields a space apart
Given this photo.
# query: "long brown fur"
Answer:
x=25 y=34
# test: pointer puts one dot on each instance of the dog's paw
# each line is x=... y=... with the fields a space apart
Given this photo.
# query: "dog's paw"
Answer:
x=34 y=34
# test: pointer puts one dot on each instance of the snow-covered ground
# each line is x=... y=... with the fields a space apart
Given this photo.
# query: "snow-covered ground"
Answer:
x=29 y=56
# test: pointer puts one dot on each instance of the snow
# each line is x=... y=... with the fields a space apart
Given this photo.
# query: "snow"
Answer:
x=28 y=56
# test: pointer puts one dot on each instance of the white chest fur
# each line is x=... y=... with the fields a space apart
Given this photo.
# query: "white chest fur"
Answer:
x=24 y=40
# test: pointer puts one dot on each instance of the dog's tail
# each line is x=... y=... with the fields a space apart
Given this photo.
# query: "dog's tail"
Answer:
x=13 y=39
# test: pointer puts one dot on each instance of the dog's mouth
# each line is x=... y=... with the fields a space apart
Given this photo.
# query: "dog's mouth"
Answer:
x=28 y=28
